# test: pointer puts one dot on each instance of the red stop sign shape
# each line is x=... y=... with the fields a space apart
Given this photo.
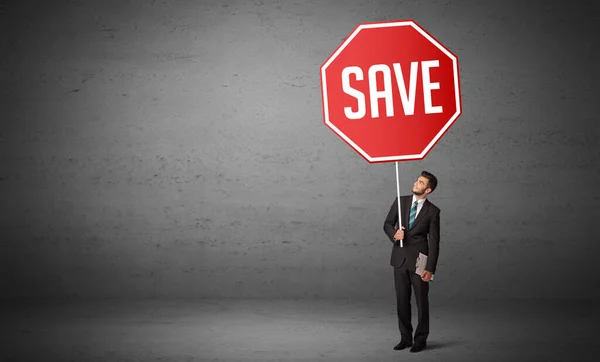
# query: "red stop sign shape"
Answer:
x=390 y=91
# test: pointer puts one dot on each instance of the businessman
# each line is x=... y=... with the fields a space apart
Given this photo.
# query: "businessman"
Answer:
x=420 y=232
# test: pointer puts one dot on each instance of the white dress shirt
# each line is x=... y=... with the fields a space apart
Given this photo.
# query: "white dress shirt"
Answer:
x=419 y=205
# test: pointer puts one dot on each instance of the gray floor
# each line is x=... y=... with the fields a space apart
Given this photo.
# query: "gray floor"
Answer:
x=294 y=330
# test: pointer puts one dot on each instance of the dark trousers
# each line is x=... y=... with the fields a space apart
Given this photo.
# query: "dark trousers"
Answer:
x=403 y=280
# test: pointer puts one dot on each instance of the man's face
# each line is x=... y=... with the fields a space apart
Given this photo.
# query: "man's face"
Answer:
x=420 y=186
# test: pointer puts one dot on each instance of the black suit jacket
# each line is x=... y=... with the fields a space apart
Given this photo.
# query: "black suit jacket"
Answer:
x=423 y=236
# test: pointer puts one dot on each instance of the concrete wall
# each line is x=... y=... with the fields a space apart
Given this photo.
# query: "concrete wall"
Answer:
x=177 y=149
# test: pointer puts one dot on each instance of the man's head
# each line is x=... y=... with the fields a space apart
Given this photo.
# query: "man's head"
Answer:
x=425 y=184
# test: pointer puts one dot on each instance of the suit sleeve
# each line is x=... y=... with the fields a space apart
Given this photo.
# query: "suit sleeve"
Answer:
x=434 y=242
x=389 y=226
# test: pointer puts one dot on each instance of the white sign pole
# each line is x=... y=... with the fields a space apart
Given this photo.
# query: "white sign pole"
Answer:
x=399 y=212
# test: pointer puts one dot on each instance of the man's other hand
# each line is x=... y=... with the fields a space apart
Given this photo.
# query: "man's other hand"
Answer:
x=426 y=276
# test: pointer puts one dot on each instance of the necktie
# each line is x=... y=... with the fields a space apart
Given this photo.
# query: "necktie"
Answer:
x=413 y=214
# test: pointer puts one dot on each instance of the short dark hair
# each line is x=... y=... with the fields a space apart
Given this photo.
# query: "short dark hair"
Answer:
x=431 y=180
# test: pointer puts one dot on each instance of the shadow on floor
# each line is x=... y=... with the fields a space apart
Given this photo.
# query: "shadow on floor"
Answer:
x=443 y=345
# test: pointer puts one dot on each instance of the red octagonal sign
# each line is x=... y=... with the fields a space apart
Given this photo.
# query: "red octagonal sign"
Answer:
x=390 y=91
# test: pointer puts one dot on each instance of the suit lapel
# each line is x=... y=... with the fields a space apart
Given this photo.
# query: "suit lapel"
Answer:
x=405 y=210
x=421 y=213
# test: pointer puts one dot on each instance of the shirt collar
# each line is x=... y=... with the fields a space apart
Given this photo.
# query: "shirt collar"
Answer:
x=420 y=201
